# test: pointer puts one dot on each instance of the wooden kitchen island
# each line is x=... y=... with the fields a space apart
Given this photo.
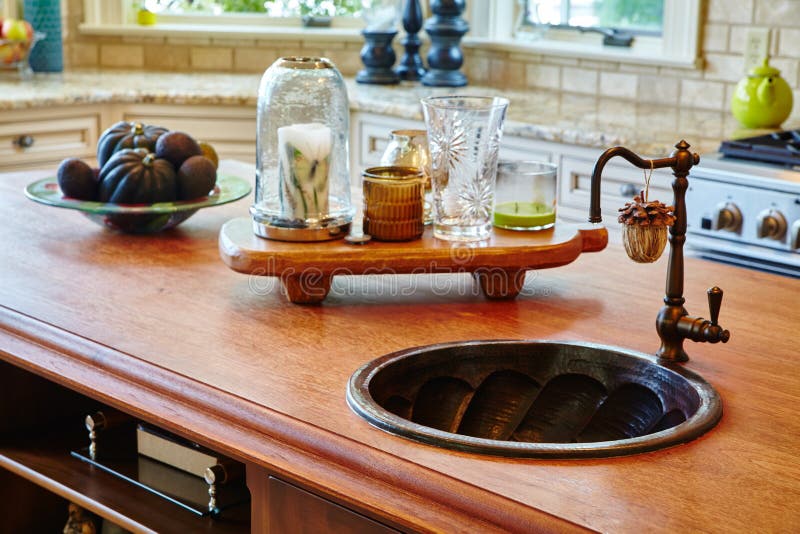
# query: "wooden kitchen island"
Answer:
x=158 y=327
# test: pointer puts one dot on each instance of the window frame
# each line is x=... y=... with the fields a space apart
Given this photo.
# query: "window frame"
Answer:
x=493 y=25
x=8 y=10
x=117 y=17
x=491 y=28
x=252 y=19
x=566 y=9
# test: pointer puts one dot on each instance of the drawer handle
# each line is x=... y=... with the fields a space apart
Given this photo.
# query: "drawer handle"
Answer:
x=628 y=190
x=24 y=141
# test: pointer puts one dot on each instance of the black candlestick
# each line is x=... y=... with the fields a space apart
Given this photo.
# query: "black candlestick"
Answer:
x=410 y=67
x=445 y=28
x=378 y=57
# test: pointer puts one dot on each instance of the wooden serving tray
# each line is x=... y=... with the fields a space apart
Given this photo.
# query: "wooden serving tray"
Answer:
x=499 y=264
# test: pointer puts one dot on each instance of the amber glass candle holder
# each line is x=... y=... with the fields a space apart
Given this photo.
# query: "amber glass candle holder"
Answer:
x=393 y=203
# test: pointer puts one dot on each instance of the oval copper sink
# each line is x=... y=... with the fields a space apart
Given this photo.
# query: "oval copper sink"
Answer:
x=534 y=399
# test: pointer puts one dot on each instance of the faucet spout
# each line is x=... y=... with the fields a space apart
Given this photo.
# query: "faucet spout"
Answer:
x=673 y=322
x=702 y=330
x=681 y=160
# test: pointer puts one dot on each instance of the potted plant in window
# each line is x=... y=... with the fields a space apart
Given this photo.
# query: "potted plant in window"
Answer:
x=315 y=15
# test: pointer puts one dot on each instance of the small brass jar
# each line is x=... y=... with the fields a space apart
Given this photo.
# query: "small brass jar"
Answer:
x=408 y=148
x=393 y=203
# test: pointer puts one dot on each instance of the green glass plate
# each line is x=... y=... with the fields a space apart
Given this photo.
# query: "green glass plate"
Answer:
x=139 y=218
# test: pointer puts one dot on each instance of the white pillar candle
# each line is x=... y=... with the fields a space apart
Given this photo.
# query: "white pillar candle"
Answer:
x=304 y=163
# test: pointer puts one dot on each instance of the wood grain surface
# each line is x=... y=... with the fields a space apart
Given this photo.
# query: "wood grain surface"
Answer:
x=306 y=271
x=159 y=326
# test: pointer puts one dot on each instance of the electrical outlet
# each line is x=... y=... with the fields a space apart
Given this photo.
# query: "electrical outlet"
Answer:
x=756 y=47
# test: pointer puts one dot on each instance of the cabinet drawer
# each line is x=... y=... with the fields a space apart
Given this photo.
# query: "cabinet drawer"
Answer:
x=373 y=141
x=372 y=137
x=48 y=141
x=618 y=185
x=514 y=148
x=231 y=131
x=292 y=509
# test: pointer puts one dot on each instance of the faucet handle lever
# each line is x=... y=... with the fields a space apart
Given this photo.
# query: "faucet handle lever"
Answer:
x=714 y=303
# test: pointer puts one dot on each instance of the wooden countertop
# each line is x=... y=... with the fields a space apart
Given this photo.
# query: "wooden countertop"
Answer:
x=157 y=325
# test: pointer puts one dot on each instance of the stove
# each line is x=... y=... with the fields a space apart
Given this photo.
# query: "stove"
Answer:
x=782 y=148
x=747 y=211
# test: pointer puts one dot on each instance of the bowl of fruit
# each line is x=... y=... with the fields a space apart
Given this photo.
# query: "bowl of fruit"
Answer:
x=17 y=39
x=149 y=179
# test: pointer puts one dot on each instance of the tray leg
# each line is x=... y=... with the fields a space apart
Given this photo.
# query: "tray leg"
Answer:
x=497 y=284
x=309 y=288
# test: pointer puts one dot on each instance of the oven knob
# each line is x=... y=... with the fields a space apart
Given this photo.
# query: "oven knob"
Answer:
x=727 y=217
x=771 y=224
x=794 y=236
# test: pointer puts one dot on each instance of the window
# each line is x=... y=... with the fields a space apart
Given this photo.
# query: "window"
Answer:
x=665 y=32
x=634 y=16
x=272 y=8
x=234 y=19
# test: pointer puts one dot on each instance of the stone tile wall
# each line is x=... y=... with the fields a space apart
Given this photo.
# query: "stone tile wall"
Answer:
x=705 y=90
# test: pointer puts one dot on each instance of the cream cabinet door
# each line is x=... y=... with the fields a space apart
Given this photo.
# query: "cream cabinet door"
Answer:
x=42 y=137
x=521 y=149
x=231 y=130
x=369 y=137
x=619 y=183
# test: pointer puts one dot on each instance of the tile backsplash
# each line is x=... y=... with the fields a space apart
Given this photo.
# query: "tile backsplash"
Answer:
x=707 y=89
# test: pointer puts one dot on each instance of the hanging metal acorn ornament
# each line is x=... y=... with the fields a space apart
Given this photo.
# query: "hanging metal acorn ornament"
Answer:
x=644 y=225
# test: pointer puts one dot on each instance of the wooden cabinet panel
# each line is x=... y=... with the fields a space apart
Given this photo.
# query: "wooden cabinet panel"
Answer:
x=42 y=138
x=293 y=510
x=36 y=467
x=369 y=136
x=620 y=182
x=516 y=148
x=231 y=130
x=26 y=507
x=64 y=132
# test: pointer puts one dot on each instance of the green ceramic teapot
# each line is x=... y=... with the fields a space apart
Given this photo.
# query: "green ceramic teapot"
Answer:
x=763 y=99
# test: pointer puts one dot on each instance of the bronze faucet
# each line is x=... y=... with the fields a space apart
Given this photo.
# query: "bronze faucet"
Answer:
x=673 y=322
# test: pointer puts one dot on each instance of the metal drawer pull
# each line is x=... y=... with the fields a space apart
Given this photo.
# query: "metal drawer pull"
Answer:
x=24 y=141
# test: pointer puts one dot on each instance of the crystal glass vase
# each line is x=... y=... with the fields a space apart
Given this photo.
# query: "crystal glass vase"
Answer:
x=302 y=152
x=464 y=139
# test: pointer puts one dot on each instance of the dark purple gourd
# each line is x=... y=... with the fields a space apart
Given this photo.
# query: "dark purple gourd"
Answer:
x=76 y=179
x=195 y=178
x=127 y=135
x=136 y=176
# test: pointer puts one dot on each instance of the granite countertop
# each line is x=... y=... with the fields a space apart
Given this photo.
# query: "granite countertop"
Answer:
x=535 y=114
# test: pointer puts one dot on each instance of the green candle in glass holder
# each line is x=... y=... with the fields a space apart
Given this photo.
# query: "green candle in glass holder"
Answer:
x=525 y=196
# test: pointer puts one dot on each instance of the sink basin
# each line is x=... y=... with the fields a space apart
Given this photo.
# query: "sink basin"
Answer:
x=534 y=399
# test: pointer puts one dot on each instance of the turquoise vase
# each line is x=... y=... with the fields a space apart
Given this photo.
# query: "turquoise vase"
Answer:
x=45 y=17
